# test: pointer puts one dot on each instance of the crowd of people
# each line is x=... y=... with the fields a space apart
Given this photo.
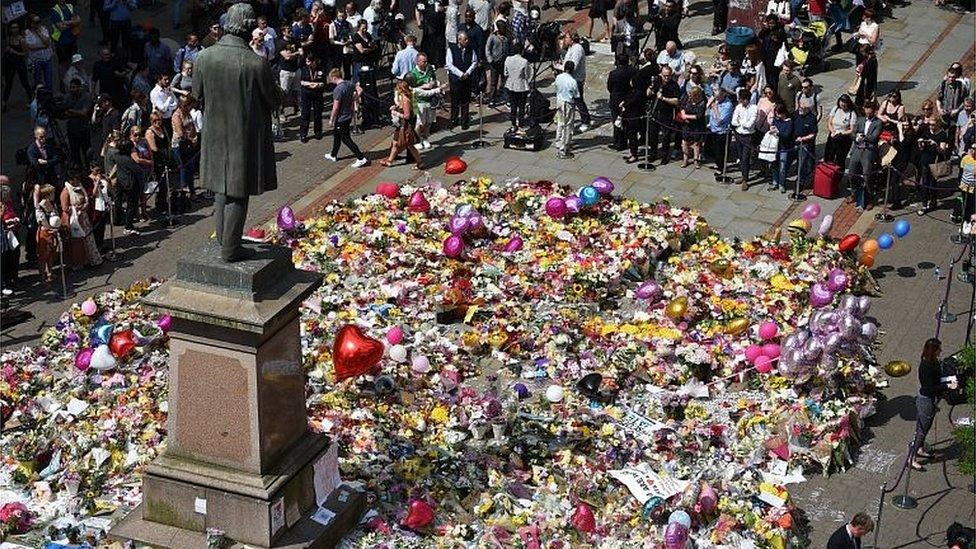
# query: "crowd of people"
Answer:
x=117 y=141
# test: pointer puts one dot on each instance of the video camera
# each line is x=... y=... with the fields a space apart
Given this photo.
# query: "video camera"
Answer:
x=390 y=28
x=544 y=43
x=50 y=105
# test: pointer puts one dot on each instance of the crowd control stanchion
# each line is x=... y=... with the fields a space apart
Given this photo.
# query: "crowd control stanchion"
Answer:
x=944 y=316
x=904 y=500
x=169 y=199
x=646 y=165
x=796 y=195
x=64 y=279
x=725 y=157
x=480 y=143
x=883 y=215
x=111 y=255
x=961 y=237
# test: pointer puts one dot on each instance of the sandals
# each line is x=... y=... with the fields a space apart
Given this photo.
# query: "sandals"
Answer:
x=386 y=163
x=916 y=466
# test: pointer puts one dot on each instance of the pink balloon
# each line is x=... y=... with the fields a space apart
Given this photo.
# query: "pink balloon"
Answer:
x=707 y=499
x=649 y=290
x=453 y=246
x=388 y=189
x=164 y=323
x=820 y=295
x=753 y=352
x=514 y=245
x=825 y=225
x=770 y=350
x=573 y=204
x=583 y=519
x=89 y=308
x=83 y=358
x=768 y=330
x=556 y=207
x=811 y=212
x=395 y=335
x=837 y=280
x=763 y=364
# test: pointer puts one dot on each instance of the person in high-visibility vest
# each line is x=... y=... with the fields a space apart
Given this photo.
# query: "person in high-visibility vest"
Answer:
x=65 y=30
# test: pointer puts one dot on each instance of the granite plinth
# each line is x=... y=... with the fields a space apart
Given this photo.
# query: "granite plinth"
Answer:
x=204 y=267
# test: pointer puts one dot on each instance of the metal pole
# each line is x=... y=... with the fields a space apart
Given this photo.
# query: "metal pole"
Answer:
x=64 y=280
x=481 y=143
x=169 y=201
x=944 y=314
x=725 y=157
x=905 y=501
x=960 y=237
x=646 y=164
x=797 y=196
x=111 y=256
x=884 y=215
x=877 y=521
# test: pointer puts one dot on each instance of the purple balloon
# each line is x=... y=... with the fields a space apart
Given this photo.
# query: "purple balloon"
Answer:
x=849 y=326
x=675 y=536
x=286 y=219
x=837 y=280
x=476 y=222
x=812 y=349
x=825 y=225
x=573 y=204
x=833 y=342
x=514 y=245
x=649 y=290
x=556 y=207
x=603 y=185
x=820 y=295
x=458 y=225
x=828 y=363
x=453 y=246
x=848 y=303
x=464 y=210
x=863 y=305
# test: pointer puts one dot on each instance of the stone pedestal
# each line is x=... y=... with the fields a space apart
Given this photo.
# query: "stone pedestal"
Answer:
x=239 y=455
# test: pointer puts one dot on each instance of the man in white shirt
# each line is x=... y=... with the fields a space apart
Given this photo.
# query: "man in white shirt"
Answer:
x=576 y=55
x=672 y=57
x=405 y=59
x=744 y=121
x=567 y=95
x=164 y=100
x=483 y=11
x=462 y=61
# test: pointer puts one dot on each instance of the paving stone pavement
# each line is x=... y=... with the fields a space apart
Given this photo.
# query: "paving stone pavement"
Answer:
x=906 y=313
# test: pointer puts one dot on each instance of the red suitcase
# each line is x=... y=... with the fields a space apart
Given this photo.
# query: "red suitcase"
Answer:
x=826 y=180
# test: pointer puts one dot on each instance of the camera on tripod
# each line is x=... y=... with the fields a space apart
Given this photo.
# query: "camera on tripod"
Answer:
x=544 y=43
x=391 y=28
x=51 y=106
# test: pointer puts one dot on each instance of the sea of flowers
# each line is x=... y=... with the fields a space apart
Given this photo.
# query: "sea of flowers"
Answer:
x=606 y=373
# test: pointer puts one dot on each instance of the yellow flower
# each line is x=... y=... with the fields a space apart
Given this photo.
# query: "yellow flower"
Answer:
x=439 y=414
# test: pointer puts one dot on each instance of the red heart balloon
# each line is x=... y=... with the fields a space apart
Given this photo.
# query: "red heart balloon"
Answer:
x=418 y=203
x=387 y=189
x=122 y=343
x=455 y=165
x=583 y=519
x=848 y=243
x=354 y=353
x=421 y=514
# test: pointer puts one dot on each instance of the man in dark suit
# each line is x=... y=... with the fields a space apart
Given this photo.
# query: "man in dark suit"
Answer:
x=849 y=535
x=619 y=85
x=864 y=153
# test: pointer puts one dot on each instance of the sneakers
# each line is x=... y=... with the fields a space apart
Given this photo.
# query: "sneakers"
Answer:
x=583 y=127
x=360 y=163
x=7 y=292
x=329 y=157
x=427 y=145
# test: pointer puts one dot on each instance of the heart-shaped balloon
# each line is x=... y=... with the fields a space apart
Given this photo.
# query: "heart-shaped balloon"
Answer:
x=418 y=203
x=83 y=358
x=102 y=359
x=122 y=343
x=102 y=334
x=286 y=219
x=388 y=189
x=455 y=165
x=848 y=243
x=354 y=353
x=583 y=519
x=420 y=515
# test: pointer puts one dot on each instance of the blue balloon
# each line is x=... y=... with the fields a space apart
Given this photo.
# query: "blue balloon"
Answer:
x=886 y=241
x=102 y=335
x=902 y=226
x=589 y=195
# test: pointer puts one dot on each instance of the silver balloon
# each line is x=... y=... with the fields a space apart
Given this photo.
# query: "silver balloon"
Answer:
x=848 y=303
x=850 y=328
x=869 y=331
x=801 y=336
x=812 y=349
x=791 y=342
x=863 y=304
x=832 y=343
x=828 y=364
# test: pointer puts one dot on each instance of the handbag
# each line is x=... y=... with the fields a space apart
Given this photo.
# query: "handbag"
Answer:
x=768 y=147
x=75 y=225
x=781 y=56
x=852 y=89
x=940 y=169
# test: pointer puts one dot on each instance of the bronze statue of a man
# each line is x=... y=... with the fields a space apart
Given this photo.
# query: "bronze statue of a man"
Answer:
x=239 y=95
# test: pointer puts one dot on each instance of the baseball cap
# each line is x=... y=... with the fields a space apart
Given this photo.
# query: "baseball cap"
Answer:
x=76 y=58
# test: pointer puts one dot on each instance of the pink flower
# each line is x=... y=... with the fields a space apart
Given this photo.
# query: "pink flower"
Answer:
x=15 y=518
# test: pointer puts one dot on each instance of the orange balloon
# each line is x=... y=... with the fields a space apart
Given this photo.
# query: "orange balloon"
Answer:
x=870 y=246
x=867 y=260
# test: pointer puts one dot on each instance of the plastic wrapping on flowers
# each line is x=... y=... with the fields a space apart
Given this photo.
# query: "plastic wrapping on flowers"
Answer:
x=483 y=423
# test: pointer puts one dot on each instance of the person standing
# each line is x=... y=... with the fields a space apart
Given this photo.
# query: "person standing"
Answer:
x=692 y=117
x=426 y=91
x=185 y=145
x=496 y=51
x=577 y=55
x=311 y=97
x=77 y=70
x=39 y=52
x=867 y=71
x=405 y=59
x=483 y=11
x=517 y=84
x=805 y=131
x=864 y=153
x=567 y=92
x=462 y=62
x=188 y=52
x=48 y=223
x=666 y=97
x=788 y=85
x=404 y=135
x=952 y=92
x=840 y=131
x=433 y=20
x=15 y=63
x=720 y=16
x=164 y=100
x=343 y=100
x=782 y=128
x=932 y=144
x=65 y=30
x=719 y=125
x=43 y=158
x=80 y=248
x=120 y=23
x=744 y=119
x=930 y=390
x=78 y=125
x=849 y=535
x=620 y=86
